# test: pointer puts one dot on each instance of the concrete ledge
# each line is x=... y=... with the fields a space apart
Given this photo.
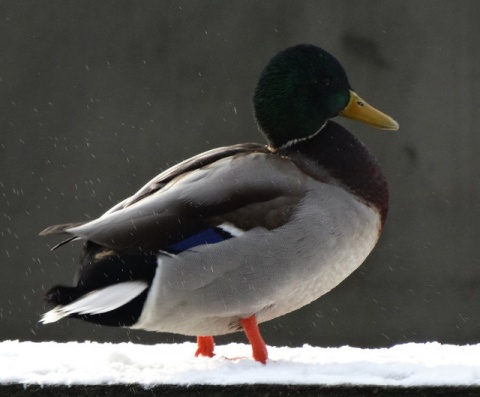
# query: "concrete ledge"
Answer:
x=15 y=390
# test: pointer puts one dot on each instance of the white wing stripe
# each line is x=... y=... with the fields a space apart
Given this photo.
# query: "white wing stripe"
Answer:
x=229 y=228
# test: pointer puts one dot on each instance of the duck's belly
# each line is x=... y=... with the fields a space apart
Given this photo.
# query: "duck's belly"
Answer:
x=268 y=273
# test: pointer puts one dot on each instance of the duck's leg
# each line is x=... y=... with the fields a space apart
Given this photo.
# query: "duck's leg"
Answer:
x=205 y=346
x=259 y=349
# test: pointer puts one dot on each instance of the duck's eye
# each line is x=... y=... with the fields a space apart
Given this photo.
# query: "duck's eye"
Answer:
x=326 y=81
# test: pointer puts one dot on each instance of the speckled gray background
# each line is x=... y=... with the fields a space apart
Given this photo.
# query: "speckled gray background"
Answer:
x=97 y=97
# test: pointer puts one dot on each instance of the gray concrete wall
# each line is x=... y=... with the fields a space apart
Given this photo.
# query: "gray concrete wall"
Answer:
x=96 y=97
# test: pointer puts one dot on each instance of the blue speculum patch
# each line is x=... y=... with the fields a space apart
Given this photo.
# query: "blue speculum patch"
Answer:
x=207 y=236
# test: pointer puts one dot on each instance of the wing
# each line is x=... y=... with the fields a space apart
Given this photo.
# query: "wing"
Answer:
x=157 y=183
x=203 y=200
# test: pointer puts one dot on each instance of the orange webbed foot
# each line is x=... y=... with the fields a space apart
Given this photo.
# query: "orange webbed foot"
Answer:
x=205 y=346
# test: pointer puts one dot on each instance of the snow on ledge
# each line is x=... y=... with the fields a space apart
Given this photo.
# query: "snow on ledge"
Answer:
x=89 y=363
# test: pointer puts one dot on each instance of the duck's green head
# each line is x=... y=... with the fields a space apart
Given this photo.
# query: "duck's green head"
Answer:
x=300 y=89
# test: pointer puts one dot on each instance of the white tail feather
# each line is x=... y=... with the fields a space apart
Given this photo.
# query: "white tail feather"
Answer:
x=98 y=301
x=52 y=316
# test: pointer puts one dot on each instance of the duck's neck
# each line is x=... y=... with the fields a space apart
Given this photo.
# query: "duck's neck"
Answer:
x=334 y=155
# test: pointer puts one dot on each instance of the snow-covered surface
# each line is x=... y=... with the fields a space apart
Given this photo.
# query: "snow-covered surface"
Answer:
x=88 y=363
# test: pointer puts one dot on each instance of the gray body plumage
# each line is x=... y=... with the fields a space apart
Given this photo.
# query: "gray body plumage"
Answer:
x=310 y=236
x=206 y=290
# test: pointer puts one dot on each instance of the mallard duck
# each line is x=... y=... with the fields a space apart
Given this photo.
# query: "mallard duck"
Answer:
x=242 y=234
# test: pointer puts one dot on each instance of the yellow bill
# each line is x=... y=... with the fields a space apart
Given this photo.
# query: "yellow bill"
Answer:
x=358 y=109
